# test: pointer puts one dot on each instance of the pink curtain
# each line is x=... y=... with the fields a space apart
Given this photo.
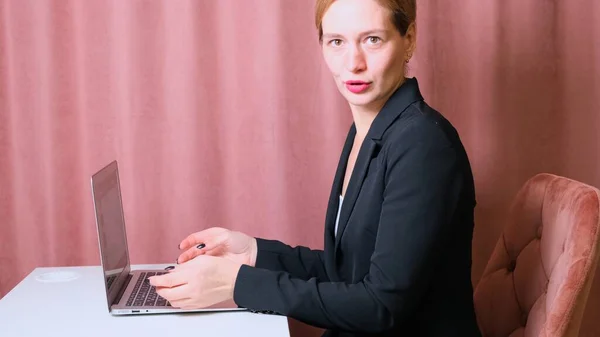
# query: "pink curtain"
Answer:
x=223 y=113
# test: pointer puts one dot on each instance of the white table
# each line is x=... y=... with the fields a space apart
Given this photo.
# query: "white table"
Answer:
x=78 y=308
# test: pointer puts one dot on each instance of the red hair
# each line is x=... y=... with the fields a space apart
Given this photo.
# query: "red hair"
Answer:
x=402 y=13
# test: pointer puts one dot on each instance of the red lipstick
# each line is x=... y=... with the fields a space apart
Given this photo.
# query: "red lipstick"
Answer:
x=357 y=86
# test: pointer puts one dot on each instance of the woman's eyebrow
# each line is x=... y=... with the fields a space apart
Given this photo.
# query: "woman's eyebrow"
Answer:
x=368 y=32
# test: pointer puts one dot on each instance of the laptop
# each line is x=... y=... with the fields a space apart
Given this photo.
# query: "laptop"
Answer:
x=127 y=292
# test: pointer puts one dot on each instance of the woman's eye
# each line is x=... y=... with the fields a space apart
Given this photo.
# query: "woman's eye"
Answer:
x=373 y=39
x=336 y=42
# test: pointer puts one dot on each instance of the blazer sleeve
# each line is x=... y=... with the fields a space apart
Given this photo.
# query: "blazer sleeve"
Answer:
x=422 y=188
x=300 y=262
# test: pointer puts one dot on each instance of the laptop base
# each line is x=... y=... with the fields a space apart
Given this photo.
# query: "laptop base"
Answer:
x=122 y=307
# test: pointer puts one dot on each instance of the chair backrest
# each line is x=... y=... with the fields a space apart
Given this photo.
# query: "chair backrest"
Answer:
x=538 y=278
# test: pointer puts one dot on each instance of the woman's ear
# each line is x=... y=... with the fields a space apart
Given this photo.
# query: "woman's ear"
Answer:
x=410 y=39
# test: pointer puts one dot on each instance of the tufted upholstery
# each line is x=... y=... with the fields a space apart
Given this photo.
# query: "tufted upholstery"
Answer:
x=539 y=275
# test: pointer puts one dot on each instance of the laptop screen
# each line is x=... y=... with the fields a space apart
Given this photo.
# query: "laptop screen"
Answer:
x=111 y=228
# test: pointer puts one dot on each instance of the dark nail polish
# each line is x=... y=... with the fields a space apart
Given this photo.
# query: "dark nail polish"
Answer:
x=200 y=246
x=169 y=268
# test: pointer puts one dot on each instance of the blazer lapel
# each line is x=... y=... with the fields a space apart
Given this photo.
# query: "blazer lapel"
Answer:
x=356 y=180
x=334 y=199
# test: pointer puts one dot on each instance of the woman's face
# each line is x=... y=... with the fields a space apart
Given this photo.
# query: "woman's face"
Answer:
x=364 y=51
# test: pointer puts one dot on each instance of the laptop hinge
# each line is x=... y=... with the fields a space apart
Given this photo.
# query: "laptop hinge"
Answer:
x=122 y=290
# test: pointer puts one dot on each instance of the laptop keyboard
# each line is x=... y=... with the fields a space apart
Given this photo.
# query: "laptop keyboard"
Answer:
x=144 y=294
x=110 y=280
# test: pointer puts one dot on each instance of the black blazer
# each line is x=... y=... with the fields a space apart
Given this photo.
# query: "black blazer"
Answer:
x=400 y=264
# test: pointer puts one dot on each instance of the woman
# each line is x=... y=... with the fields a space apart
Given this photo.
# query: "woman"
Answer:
x=399 y=224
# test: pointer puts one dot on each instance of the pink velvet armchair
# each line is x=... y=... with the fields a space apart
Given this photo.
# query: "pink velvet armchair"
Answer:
x=538 y=278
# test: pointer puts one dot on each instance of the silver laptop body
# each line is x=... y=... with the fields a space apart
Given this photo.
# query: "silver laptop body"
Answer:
x=127 y=292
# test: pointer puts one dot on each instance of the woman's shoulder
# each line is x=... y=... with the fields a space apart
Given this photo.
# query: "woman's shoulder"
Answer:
x=422 y=140
x=420 y=124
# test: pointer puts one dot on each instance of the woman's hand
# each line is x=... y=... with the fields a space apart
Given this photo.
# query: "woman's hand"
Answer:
x=199 y=283
x=234 y=246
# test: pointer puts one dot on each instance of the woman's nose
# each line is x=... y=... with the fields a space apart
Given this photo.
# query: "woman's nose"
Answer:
x=355 y=60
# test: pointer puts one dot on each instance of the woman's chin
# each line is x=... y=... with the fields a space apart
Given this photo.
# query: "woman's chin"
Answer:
x=362 y=99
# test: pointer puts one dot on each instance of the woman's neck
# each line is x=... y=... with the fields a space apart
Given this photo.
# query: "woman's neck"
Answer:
x=363 y=118
x=364 y=115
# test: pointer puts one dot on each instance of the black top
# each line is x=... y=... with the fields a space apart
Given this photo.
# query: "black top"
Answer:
x=400 y=264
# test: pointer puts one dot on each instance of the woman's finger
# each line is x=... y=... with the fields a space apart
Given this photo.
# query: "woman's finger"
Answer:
x=200 y=237
x=189 y=254
x=213 y=245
